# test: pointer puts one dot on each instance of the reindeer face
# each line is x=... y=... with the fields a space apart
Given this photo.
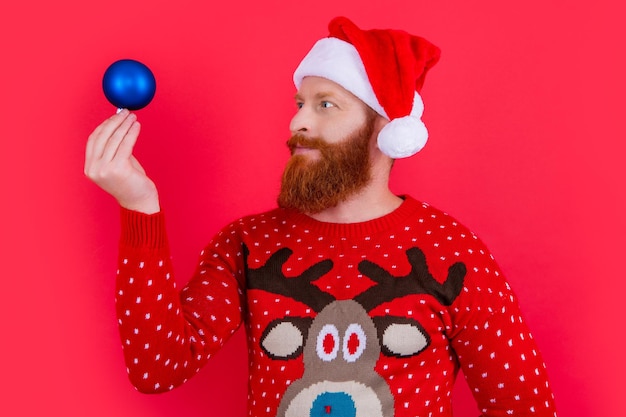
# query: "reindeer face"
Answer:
x=340 y=353
x=342 y=343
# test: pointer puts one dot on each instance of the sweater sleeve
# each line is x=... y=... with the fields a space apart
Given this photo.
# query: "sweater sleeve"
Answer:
x=498 y=355
x=168 y=335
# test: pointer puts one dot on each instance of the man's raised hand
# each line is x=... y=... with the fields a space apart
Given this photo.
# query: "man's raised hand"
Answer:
x=109 y=162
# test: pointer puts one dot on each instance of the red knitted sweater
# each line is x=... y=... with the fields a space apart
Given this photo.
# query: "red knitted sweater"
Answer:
x=364 y=319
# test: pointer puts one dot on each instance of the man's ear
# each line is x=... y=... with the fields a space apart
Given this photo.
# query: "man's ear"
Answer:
x=379 y=123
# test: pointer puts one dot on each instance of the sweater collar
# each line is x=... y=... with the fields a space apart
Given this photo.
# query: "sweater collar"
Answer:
x=389 y=221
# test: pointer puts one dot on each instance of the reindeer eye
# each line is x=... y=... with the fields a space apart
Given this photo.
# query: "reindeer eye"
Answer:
x=354 y=342
x=328 y=343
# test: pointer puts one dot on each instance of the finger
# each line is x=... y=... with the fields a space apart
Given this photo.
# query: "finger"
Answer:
x=117 y=137
x=99 y=138
x=127 y=144
x=95 y=135
x=95 y=143
x=112 y=119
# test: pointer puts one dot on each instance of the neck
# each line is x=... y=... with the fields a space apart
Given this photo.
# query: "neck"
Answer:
x=359 y=209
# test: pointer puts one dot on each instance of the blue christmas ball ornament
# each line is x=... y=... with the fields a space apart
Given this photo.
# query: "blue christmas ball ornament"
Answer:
x=129 y=84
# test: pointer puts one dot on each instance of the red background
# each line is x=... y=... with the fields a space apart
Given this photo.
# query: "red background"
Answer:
x=525 y=112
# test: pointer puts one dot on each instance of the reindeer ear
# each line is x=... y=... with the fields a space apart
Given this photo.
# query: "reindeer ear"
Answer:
x=400 y=336
x=284 y=338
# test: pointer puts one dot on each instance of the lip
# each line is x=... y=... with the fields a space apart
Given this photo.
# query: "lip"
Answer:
x=300 y=150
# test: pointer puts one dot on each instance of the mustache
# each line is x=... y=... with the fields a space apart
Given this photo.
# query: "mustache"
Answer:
x=298 y=140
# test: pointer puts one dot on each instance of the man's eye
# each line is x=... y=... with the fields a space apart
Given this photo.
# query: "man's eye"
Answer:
x=327 y=104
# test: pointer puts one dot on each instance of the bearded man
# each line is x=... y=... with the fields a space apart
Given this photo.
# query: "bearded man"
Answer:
x=356 y=301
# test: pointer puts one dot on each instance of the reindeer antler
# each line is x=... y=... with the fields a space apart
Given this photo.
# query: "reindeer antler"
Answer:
x=418 y=281
x=270 y=277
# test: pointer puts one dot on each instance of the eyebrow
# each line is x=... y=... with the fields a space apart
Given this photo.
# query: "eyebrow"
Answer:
x=318 y=96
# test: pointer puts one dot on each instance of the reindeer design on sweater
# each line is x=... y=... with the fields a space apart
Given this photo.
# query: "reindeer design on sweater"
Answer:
x=342 y=343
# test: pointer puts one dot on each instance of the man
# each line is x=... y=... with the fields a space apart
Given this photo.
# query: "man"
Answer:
x=356 y=302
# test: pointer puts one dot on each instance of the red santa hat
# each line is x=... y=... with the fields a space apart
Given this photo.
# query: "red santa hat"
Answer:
x=383 y=68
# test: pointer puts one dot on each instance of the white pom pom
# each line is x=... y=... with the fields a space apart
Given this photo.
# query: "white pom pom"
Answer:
x=402 y=137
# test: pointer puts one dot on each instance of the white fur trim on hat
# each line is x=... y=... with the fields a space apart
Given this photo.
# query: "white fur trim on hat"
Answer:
x=339 y=61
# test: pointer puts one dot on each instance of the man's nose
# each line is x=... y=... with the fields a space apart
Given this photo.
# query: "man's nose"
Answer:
x=301 y=122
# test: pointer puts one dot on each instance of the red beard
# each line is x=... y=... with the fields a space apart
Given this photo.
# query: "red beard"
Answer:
x=341 y=170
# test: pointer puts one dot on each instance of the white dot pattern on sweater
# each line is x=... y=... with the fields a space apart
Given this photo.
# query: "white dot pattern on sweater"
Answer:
x=168 y=335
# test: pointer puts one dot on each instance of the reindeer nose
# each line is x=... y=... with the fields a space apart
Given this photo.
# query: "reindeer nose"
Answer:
x=333 y=404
